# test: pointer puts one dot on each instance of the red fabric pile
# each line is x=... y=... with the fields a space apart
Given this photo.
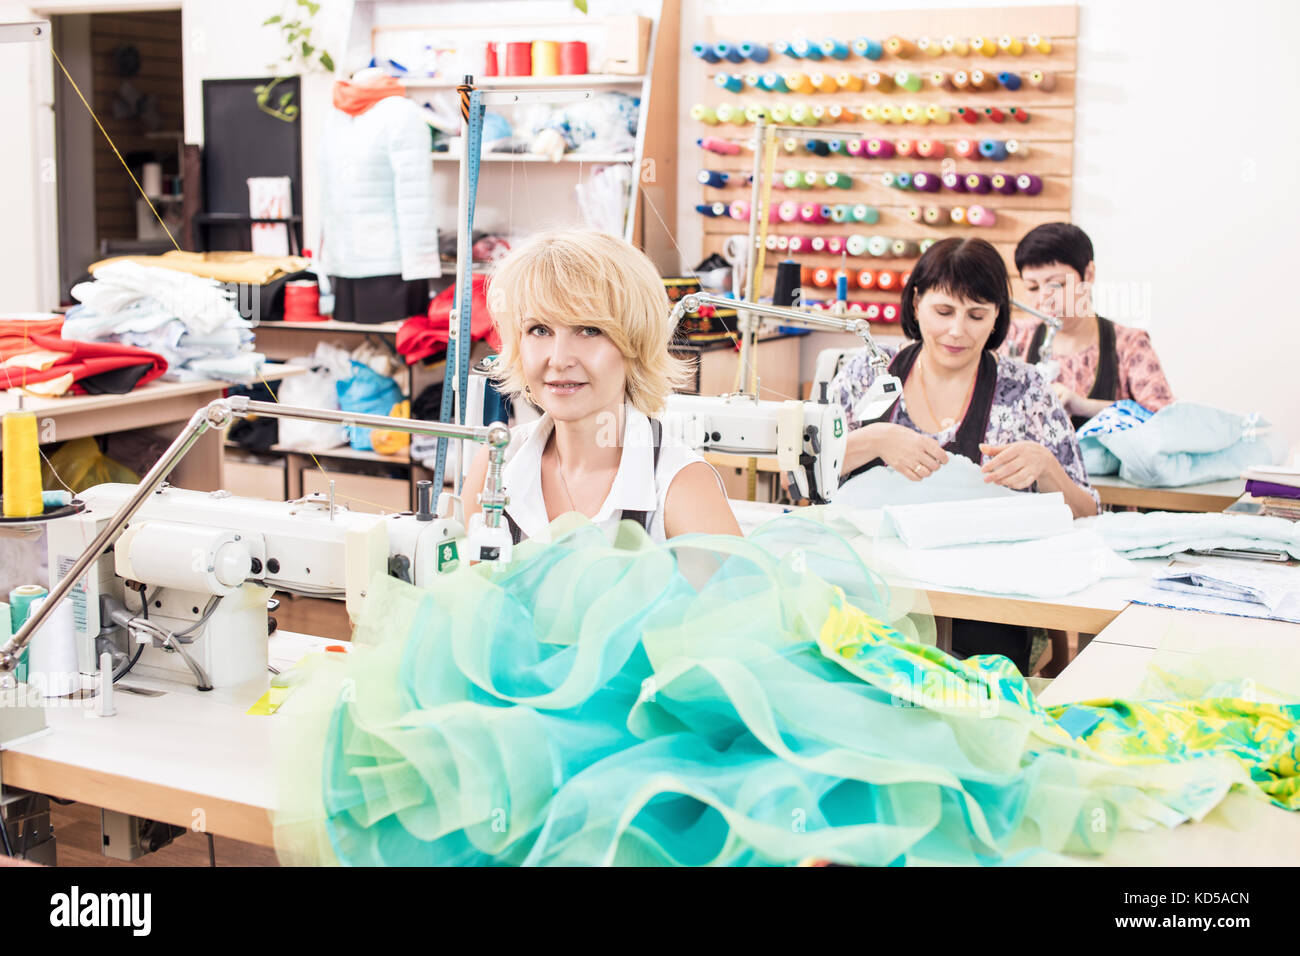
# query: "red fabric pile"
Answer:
x=97 y=368
x=423 y=336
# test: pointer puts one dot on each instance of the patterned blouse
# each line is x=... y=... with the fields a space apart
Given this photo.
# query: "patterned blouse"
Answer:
x=1140 y=376
x=1024 y=409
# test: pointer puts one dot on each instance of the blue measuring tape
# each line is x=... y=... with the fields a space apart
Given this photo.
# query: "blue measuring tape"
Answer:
x=471 y=108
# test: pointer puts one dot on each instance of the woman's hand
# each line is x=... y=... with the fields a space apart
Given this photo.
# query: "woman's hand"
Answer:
x=1018 y=465
x=913 y=455
x=1069 y=399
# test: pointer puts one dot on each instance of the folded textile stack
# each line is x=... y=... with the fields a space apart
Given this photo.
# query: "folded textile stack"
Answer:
x=228 y=266
x=40 y=361
x=191 y=321
x=1158 y=533
x=1276 y=488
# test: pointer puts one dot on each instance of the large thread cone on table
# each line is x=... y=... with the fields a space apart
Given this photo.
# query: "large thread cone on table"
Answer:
x=22 y=468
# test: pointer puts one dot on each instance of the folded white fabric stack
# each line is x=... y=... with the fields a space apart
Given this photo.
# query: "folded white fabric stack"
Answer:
x=1158 y=533
x=191 y=322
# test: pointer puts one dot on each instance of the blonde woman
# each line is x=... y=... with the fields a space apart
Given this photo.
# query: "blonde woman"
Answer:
x=583 y=321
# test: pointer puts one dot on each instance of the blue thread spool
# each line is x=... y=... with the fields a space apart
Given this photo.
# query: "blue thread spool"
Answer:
x=786 y=48
x=1010 y=81
x=817 y=147
x=754 y=51
x=705 y=52
x=842 y=287
x=806 y=50
x=870 y=49
x=889 y=180
x=711 y=177
x=774 y=82
x=994 y=149
x=841 y=213
x=864 y=213
x=838 y=146
x=728 y=52
x=712 y=209
x=903 y=180
x=826 y=212
x=729 y=82
x=834 y=48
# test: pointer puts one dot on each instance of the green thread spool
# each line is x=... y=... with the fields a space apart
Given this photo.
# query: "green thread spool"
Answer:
x=838 y=180
x=864 y=213
x=907 y=80
x=841 y=213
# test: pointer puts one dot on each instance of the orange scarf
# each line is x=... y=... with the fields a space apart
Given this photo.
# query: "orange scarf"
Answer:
x=355 y=100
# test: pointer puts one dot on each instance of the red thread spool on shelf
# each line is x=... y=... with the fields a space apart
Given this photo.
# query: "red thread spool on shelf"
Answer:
x=519 y=59
x=573 y=58
x=967 y=149
x=490 y=62
x=904 y=147
x=866 y=279
x=302 y=301
x=889 y=312
x=887 y=280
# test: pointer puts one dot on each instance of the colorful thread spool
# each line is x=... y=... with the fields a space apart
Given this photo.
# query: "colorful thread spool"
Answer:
x=871 y=113
x=1019 y=115
x=22 y=466
x=1009 y=81
x=891 y=114
x=753 y=80
x=1039 y=43
x=835 y=49
x=729 y=52
x=780 y=113
x=573 y=58
x=954 y=181
x=937 y=114
x=770 y=243
x=955 y=46
x=782 y=243
x=756 y=112
x=922 y=247
x=915 y=213
x=866 y=214
x=908 y=80
x=838 y=180
x=812 y=178
x=793 y=179
x=930 y=149
x=897 y=46
x=798 y=83
x=729 y=82
x=926 y=182
x=1009 y=44
x=958 y=215
x=849 y=82
x=817 y=244
x=773 y=82
x=822 y=278
x=756 y=52
x=935 y=215
x=739 y=209
x=977 y=183
x=914 y=114
x=880 y=82
x=886 y=279
x=880 y=148
x=856 y=245
x=967 y=148
x=868 y=49
x=799 y=243
x=929 y=47
x=1029 y=184
x=981 y=216
x=711 y=177
x=866 y=278
x=704 y=114
x=980 y=80
x=994 y=149
x=841 y=213
x=961 y=80
x=712 y=209
x=878 y=246
x=720 y=146
x=1042 y=81
x=889 y=180
x=984 y=46
x=968 y=114
x=857 y=147
x=519 y=59
x=836 y=113
x=904 y=181
x=783 y=47
x=546 y=58
x=1002 y=183
x=903 y=248
x=889 y=311
x=940 y=80
x=871 y=311
x=823 y=82
x=905 y=148
x=731 y=113
x=817 y=147
x=835 y=245
x=790 y=144
x=841 y=285
x=802 y=115
x=1017 y=149
x=811 y=212
x=705 y=52
x=806 y=50
x=995 y=114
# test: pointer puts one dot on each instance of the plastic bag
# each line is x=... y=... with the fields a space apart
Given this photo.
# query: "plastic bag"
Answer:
x=367 y=392
x=387 y=442
x=79 y=465
x=318 y=388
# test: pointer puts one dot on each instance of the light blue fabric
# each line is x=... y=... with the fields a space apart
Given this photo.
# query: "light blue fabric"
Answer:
x=1121 y=416
x=379 y=212
x=1182 y=444
x=1157 y=533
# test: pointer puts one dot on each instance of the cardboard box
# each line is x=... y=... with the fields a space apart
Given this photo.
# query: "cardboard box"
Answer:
x=627 y=45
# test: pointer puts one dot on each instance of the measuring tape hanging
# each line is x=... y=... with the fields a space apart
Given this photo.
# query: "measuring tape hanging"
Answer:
x=455 y=380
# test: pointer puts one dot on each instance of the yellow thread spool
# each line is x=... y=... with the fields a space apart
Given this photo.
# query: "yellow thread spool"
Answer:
x=1041 y=44
x=955 y=46
x=958 y=215
x=937 y=114
x=897 y=46
x=871 y=113
x=849 y=81
x=930 y=47
x=546 y=58
x=798 y=83
x=983 y=81
x=880 y=82
x=890 y=114
x=823 y=82
x=22 y=466
x=704 y=114
x=1009 y=44
x=985 y=46
x=914 y=114
x=960 y=80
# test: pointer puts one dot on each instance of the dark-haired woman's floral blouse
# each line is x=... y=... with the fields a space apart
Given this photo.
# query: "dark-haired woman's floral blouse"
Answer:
x=1025 y=408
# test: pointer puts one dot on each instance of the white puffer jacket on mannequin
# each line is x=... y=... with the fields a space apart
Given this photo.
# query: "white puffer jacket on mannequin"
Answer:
x=377 y=193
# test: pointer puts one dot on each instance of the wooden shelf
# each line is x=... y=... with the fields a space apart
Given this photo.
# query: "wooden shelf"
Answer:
x=329 y=325
x=577 y=81
x=533 y=158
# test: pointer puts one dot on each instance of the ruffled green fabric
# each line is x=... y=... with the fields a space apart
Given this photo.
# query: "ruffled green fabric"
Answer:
x=718 y=701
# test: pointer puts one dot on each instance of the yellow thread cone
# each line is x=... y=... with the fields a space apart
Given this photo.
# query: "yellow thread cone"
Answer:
x=22 y=467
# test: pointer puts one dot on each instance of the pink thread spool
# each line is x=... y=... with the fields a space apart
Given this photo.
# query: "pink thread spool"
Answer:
x=799 y=243
x=811 y=212
x=788 y=211
x=981 y=216
x=739 y=209
x=835 y=245
x=880 y=148
x=858 y=147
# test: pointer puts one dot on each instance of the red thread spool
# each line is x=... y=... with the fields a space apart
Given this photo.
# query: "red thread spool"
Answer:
x=490 y=67
x=968 y=149
x=889 y=312
x=302 y=301
x=968 y=114
x=573 y=58
x=904 y=147
x=866 y=279
x=886 y=279
x=519 y=59
x=872 y=311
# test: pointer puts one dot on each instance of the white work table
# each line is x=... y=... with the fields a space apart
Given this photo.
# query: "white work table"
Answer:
x=169 y=757
x=1240 y=831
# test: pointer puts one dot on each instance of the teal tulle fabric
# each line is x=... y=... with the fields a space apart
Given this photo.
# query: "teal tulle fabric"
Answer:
x=708 y=701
